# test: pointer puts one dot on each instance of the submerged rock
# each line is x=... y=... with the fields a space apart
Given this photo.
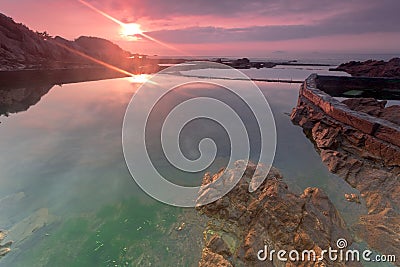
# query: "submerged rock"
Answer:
x=242 y=222
x=25 y=228
x=4 y=248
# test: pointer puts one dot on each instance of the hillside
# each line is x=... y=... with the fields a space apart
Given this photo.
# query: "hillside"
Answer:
x=22 y=48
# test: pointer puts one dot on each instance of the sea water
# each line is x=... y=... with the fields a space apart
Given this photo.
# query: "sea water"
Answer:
x=68 y=199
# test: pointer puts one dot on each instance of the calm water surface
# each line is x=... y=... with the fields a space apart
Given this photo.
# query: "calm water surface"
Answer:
x=67 y=198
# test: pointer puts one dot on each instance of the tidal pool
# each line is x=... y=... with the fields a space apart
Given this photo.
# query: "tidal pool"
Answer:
x=67 y=198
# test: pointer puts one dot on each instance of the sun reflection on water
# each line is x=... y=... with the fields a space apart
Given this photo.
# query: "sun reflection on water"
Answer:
x=140 y=78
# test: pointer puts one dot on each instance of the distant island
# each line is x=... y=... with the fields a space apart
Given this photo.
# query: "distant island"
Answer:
x=372 y=68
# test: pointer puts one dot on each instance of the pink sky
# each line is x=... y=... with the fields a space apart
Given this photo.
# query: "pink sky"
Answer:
x=224 y=27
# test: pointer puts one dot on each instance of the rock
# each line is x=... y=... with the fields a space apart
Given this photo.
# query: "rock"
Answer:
x=4 y=248
x=211 y=259
x=381 y=230
x=328 y=136
x=269 y=215
x=22 y=48
x=391 y=113
x=352 y=198
x=370 y=106
x=218 y=245
x=375 y=108
x=25 y=228
x=2 y=235
x=372 y=68
x=181 y=227
x=367 y=163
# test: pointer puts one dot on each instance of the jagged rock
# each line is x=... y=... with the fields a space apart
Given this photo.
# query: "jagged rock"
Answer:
x=381 y=231
x=270 y=215
x=212 y=259
x=367 y=163
x=375 y=108
x=219 y=246
x=392 y=114
x=370 y=106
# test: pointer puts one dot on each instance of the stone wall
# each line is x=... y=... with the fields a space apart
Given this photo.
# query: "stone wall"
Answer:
x=384 y=134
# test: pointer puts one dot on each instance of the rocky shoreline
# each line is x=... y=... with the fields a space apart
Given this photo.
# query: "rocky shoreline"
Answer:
x=245 y=63
x=242 y=223
x=358 y=140
x=367 y=160
x=372 y=68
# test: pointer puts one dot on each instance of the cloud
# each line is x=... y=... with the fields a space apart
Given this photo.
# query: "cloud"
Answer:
x=378 y=17
x=161 y=9
x=223 y=24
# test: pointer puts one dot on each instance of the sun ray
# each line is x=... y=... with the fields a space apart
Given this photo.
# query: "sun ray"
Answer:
x=109 y=66
x=134 y=78
x=124 y=25
x=101 y=12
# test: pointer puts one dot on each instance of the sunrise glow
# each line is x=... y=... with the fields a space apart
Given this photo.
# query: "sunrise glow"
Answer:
x=228 y=28
x=130 y=30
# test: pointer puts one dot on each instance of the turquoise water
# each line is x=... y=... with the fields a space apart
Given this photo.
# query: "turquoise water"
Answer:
x=67 y=198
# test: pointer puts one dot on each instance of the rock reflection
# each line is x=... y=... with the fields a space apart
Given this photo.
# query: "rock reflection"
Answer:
x=19 y=90
x=13 y=100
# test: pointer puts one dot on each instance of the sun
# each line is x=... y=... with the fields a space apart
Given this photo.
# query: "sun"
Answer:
x=130 y=30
